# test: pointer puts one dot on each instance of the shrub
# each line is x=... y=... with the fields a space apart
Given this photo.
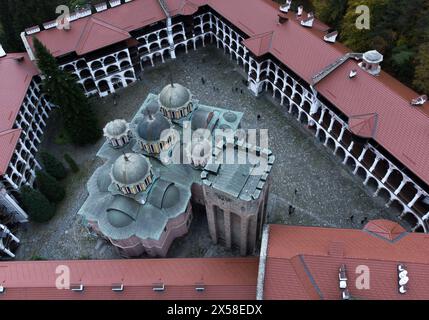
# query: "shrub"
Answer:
x=72 y=164
x=37 y=205
x=53 y=166
x=49 y=187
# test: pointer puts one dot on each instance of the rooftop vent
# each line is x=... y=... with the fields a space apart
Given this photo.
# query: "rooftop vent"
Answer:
x=415 y=102
x=77 y=287
x=402 y=279
x=2 y=52
x=158 y=287
x=331 y=37
x=371 y=62
x=342 y=277
x=100 y=6
x=50 y=24
x=286 y=7
x=345 y=295
x=117 y=287
x=114 y=3
x=300 y=11
x=32 y=30
x=309 y=21
x=200 y=287
x=353 y=73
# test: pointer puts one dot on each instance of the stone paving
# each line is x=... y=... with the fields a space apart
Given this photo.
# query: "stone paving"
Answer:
x=305 y=174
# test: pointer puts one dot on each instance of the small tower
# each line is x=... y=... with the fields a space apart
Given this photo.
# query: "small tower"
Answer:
x=371 y=62
x=117 y=133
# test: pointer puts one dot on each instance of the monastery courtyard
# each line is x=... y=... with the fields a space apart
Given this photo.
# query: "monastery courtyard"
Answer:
x=327 y=194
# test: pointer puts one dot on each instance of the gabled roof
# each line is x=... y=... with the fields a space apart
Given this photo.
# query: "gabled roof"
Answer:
x=385 y=229
x=260 y=44
x=402 y=130
x=222 y=279
x=16 y=73
x=364 y=125
x=302 y=265
x=98 y=34
x=8 y=141
x=114 y=21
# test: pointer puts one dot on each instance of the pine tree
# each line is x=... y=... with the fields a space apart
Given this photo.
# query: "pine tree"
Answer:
x=38 y=207
x=49 y=187
x=53 y=166
x=77 y=113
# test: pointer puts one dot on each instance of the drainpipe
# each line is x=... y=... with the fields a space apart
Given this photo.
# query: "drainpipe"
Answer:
x=164 y=7
x=262 y=263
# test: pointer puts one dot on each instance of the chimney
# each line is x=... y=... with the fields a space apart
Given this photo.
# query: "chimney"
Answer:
x=331 y=37
x=309 y=21
x=353 y=73
x=2 y=52
x=286 y=7
x=282 y=18
x=300 y=10
x=416 y=102
x=371 y=62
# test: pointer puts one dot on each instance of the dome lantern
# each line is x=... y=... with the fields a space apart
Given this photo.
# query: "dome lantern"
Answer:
x=117 y=133
x=175 y=101
x=153 y=132
x=132 y=173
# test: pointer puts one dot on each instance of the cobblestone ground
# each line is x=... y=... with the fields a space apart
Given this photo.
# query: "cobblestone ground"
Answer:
x=326 y=193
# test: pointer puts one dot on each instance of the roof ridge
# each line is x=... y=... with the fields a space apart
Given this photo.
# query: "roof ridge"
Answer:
x=87 y=30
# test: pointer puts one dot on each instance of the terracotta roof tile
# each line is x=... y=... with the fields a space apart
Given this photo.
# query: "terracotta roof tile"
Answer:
x=222 y=278
x=8 y=141
x=318 y=267
x=401 y=129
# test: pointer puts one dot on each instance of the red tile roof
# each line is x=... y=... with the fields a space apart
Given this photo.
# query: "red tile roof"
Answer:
x=98 y=34
x=303 y=262
x=111 y=27
x=364 y=125
x=401 y=129
x=16 y=73
x=385 y=228
x=223 y=279
x=8 y=141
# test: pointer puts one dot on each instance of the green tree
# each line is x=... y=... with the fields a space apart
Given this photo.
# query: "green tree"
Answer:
x=72 y=164
x=421 y=77
x=77 y=113
x=330 y=11
x=53 y=166
x=37 y=206
x=49 y=187
x=17 y=15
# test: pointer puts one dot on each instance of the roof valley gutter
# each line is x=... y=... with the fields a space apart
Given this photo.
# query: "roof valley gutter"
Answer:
x=262 y=263
x=27 y=47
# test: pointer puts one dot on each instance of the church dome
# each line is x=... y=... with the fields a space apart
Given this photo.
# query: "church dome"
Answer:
x=116 y=128
x=174 y=97
x=118 y=218
x=171 y=197
x=152 y=126
x=152 y=108
x=130 y=169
